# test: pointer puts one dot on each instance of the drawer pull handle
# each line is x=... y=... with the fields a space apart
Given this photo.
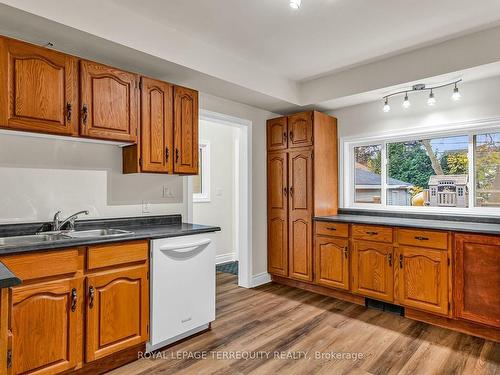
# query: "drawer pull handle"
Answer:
x=401 y=260
x=331 y=228
x=372 y=233
x=285 y=136
x=420 y=238
x=346 y=252
x=285 y=191
x=389 y=259
x=91 y=296
x=74 y=299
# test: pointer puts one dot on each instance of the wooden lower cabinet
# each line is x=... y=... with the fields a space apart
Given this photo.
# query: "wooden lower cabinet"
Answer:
x=46 y=327
x=477 y=278
x=117 y=311
x=372 y=270
x=422 y=279
x=332 y=262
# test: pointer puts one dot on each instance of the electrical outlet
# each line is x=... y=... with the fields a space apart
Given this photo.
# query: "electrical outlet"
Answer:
x=145 y=207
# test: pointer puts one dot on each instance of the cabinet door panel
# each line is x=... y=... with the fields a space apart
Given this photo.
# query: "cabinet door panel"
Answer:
x=39 y=92
x=277 y=208
x=332 y=262
x=423 y=279
x=109 y=103
x=185 y=131
x=300 y=130
x=477 y=278
x=46 y=331
x=372 y=270
x=118 y=312
x=157 y=126
x=300 y=215
x=277 y=134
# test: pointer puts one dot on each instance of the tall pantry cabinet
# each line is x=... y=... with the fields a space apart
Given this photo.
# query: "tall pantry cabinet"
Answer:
x=301 y=183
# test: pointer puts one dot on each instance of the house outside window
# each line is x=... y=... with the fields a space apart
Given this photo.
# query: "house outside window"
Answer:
x=457 y=170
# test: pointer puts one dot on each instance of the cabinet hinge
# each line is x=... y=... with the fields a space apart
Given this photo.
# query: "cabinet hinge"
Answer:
x=9 y=358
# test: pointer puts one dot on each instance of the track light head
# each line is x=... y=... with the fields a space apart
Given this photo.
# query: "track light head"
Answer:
x=387 y=107
x=406 y=102
x=432 y=100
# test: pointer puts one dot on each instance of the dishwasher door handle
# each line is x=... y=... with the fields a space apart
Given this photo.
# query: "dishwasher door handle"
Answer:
x=185 y=247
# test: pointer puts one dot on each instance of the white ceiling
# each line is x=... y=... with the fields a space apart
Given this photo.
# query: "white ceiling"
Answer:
x=328 y=54
x=323 y=35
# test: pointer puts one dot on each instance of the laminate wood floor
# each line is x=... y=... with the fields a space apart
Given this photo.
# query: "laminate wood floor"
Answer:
x=283 y=323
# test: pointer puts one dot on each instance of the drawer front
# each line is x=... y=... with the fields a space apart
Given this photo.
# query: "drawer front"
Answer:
x=332 y=229
x=43 y=264
x=372 y=233
x=100 y=256
x=424 y=238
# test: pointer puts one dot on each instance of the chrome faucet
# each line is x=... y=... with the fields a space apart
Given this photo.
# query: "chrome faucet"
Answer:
x=57 y=223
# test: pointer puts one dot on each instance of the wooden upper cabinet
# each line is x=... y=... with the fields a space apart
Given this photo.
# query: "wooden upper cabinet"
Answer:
x=477 y=278
x=39 y=89
x=300 y=130
x=185 y=131
x=277 y=209
x=46 y=327
x=422 y=278
x=277 y=134
x=332 y=262
x=109 y=106
x=117 y=311
x=372 y=270
x=300 y=181
x=156 y=126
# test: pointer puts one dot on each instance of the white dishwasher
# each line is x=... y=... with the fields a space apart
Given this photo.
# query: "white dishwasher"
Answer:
x=182 y=287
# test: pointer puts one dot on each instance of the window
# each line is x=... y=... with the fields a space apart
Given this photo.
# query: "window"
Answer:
x=454 y=170
x=201 y=182
x=487 y=169
x=368 y=182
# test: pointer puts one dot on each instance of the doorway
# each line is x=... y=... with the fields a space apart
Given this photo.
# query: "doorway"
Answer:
x=222 y=190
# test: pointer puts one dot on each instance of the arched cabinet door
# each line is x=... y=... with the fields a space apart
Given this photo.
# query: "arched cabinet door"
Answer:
x=372 y=269
x=423 y=278
x=300 y=130
x=46 y=327
x=185 y=131
x=117 y=311
x=332 y=262
x=277 y=134
x=39 y=89
x=300 y=183
x=109 y=102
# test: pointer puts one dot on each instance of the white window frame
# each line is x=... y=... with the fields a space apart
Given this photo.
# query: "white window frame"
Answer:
x=204 y=196
x=469 y=128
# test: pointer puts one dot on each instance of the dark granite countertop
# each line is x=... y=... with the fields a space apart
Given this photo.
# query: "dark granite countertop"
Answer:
x=142 y=227
x=7 y=278
x=438 y=222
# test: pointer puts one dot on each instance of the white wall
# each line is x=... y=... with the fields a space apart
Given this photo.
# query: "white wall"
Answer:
x=479 y=102
x=220 y=210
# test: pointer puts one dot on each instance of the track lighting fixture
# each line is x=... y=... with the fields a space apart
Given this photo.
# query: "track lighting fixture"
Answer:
x=387 y=107
x=431 y=100
x=406 y=101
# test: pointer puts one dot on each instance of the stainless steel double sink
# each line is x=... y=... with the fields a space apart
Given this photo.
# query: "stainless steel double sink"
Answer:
x=62 y=235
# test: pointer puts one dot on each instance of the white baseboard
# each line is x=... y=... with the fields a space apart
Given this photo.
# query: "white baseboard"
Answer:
x=261 y=279
x=225 y=258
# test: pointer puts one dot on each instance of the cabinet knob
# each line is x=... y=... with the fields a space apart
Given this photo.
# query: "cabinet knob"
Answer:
x=91 y=296
x=74 y=299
